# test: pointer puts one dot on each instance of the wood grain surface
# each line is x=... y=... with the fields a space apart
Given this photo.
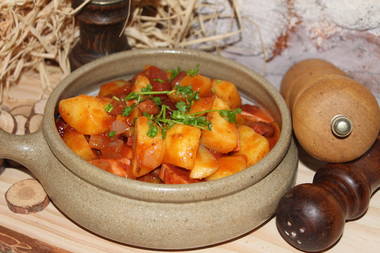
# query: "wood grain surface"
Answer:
x=14 y=242
x=52 y=228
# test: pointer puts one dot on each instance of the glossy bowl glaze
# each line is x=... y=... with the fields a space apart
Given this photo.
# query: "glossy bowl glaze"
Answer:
x=154 y=215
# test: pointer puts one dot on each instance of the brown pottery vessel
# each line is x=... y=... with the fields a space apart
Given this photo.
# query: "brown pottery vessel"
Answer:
x=156 y=215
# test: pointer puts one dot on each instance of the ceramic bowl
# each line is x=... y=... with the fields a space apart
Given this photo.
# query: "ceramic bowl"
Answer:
x=154 y=215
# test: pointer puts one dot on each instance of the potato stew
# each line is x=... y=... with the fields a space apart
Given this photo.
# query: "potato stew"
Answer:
x=167 y=126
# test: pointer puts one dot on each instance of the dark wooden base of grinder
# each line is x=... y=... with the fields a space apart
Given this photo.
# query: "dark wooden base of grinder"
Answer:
x=101 y=23
x=311 y=217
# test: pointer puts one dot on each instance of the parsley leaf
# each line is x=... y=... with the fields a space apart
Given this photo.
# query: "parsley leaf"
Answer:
x=229 y=115
x=148 y=88
x=148 y=115
x=127 y=110
x=157 y=100
x=138 y=95
x=194 y=71
x=174 y=72
x=158 y=80
x=191 y=120
x=111 y=133
x=153 y=129
x=131 y=96
x=187 y=93
x=162 y=121
x=108 y=108
x=181 y=106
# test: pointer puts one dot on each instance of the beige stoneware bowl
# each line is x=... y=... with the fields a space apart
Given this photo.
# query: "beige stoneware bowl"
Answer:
x=152 y=215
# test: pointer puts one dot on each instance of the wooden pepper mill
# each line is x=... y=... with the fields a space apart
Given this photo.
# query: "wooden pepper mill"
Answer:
x=335 y=118
x=100 y=23
x=311 y=217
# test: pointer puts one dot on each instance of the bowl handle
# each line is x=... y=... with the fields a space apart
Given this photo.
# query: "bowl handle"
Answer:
x=30 y=150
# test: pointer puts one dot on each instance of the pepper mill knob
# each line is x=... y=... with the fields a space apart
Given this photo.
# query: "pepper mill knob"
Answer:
x=311 y=217
x=100 y=24
x=341 y=126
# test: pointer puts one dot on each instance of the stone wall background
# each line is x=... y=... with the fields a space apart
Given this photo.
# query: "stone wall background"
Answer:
x=278 y=33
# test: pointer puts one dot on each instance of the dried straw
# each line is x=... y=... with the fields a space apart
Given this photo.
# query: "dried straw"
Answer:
x=35 y=34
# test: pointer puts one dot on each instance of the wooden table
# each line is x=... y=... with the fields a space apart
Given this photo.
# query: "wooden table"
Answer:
x=53 y=228
x=51 y=231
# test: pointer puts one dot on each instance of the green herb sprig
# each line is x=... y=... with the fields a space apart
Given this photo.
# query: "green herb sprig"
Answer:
x=127 y=110
x=161 y=121
x=108 y=108
x=174 y=72
x=194 y=71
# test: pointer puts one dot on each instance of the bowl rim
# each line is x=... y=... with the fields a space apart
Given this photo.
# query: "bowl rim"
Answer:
x=163 y=192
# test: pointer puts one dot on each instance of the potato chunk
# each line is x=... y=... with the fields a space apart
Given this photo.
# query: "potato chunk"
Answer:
x=148 y=152
x=140 y=82
x=78 y=143
x=86 y=114
x=205 y=164
x=252 y=145
x=229 y=165
x=223 y=136
x=199 y=83
x=115 y=88
x=181 y=145
x=202 y=104
x=228 y=92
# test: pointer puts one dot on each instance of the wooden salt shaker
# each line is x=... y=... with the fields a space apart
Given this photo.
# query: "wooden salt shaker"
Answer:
x=311 y=217
x=101 y=23
x=335 y=118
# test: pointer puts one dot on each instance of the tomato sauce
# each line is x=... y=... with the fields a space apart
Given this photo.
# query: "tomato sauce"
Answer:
x=168 y=131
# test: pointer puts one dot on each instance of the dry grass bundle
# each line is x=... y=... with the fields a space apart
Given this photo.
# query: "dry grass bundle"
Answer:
x=33 y=34
x=176 y=23
x=36 y=34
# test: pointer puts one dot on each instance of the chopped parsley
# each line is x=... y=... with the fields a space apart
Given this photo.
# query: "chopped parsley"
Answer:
x=153 y=129
x=194 y=71
x=180 y=115
x=181 y=106
x=147 y=88
x=158 y=80
x=146 y=91
x=108 y=108
x=127 y=110
x=157 y=100
x=174 y=72
x=187 y=93
x=116 y=98
x=111 y=133
x=131 y=96
x=230 y=115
